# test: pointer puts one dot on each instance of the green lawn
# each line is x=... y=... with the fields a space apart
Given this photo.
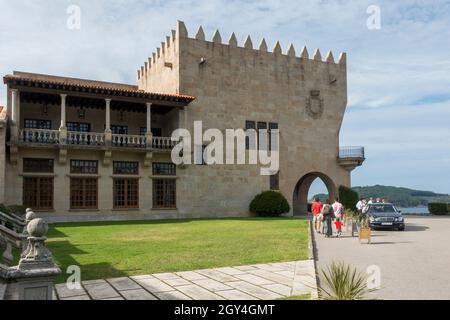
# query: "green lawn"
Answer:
x=114 y=249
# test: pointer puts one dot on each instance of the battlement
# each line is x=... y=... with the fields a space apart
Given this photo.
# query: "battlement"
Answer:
x=169 y=48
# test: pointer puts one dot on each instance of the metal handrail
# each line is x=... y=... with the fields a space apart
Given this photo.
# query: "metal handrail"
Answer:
x=351 y=152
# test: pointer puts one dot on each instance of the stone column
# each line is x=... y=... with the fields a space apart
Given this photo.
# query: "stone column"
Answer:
x=149 y=134
x=63 y=111
x=108 y=132
x=15 y=100
x=62 y=127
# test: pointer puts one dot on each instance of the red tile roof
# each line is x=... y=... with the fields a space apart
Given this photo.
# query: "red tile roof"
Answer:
x=64 y=82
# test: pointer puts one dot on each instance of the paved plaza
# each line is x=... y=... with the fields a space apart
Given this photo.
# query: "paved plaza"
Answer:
x=255 y=282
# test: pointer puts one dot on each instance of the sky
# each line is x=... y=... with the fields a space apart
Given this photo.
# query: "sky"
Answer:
x=398 y=65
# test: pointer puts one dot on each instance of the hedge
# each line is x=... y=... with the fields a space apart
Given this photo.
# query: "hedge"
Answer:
x=269 y=203
x=348 y=197
x=439 y=208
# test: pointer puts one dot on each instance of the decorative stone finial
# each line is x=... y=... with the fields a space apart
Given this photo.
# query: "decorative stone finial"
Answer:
x=329 y=58
x=30 y=215
x=217 y=38
x=317 y=55
x=154 y=57
x=200 y=34
x=37 y=228
x=158 y=52
x=291 y=51
x=233 y=41
x=263 y=45
x=181 y=30
x=277 y=49
x=174 y=35
x=304 y=54
x=28 y=210
x=139 y=74
x=248 y=43
x=342 y=58
x=168 y=41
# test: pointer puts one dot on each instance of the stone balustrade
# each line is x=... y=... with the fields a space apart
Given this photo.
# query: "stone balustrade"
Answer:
x=94 y=139
x=33 y=277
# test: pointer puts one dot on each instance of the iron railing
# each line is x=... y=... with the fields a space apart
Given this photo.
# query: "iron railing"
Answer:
x=352 y=153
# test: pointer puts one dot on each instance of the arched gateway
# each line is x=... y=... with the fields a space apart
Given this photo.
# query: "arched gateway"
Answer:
x=300 y=197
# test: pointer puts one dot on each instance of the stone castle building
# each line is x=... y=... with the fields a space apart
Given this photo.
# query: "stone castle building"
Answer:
x=88 y=150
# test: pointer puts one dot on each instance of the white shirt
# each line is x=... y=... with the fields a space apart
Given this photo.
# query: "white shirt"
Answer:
x=359 y=205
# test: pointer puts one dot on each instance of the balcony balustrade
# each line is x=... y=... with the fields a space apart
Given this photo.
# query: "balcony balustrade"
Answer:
x=93 y=139
x=351 y=153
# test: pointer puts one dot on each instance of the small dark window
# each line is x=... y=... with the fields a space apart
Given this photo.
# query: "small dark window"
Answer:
x=156 y=132
x=116 y=129
x=37 y=124
x=272 y=126
x=126 y=193
x=84 y=166
x=275 y=181
x=38 y=193
x=78 y=127
x=249 y=125
x=126 y=167
x=164 y=169
x=38 y=165
x=83 y=193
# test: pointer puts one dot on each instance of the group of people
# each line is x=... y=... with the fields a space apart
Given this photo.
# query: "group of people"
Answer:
x=326 y=215
x=363 y=204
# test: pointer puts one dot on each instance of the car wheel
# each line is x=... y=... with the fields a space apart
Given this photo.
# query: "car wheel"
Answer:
x=401 y=229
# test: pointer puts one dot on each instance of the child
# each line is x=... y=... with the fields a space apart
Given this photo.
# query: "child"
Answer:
x=338 y=225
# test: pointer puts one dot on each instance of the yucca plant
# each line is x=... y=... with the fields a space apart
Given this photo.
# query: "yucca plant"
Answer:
x=343 y=282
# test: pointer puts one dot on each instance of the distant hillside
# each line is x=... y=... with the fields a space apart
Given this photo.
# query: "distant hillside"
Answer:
x=401 y=197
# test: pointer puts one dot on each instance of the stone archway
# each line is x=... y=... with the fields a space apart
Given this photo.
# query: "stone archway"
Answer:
x=300 y=196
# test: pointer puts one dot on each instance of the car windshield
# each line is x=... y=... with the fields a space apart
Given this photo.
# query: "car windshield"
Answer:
x=382 y=209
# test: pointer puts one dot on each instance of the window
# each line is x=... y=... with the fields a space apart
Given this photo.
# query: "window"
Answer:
x=164 y=169
x=116 y=129
x=84 y=166
x=78 y=127
x=164 y=193
x=275 y=181
x=262 y=145
x=125 y=167
x=272 y=126
x=249 y=125
x=37 y=124
x=38 y=165
x=38 y=193
x=156 y=132
x=126 y=193
x=83 y=193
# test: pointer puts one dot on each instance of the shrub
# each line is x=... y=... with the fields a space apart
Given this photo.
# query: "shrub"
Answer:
x=4 y=208
x=269 y=203
x=348 y=197
x=17 y=210
x=438 y=208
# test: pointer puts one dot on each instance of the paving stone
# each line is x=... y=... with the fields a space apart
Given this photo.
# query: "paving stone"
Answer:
x=212 y=285
x=235 y=295
x=100 y=290
x=165 y=276
x=245 y=268
x=277 y=278
x=116 y=298
x=284 y=265
x=279 y=288
x=217 y=275
x=250 y=278
x=172 y=295
x=253 y=290
x=137 y=294
x=177 y=282
x=64 y=292
x=146 y=276
x=268 y=267
x=78 y=298
x=124 y=283
x=191 y=275
x=89 y=282
x=287 y=274
x=230 y=271
x=198 y=293
x=154 y=285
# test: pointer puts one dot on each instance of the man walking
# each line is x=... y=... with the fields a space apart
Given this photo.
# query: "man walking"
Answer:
x=316 y=208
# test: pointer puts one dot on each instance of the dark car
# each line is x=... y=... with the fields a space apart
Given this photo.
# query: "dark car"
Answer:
x=385 y=215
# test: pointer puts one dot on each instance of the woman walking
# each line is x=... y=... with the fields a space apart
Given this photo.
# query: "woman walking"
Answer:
x=327 y=214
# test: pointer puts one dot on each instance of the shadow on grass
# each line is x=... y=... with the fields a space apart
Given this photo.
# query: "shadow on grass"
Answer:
x=64 y=259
